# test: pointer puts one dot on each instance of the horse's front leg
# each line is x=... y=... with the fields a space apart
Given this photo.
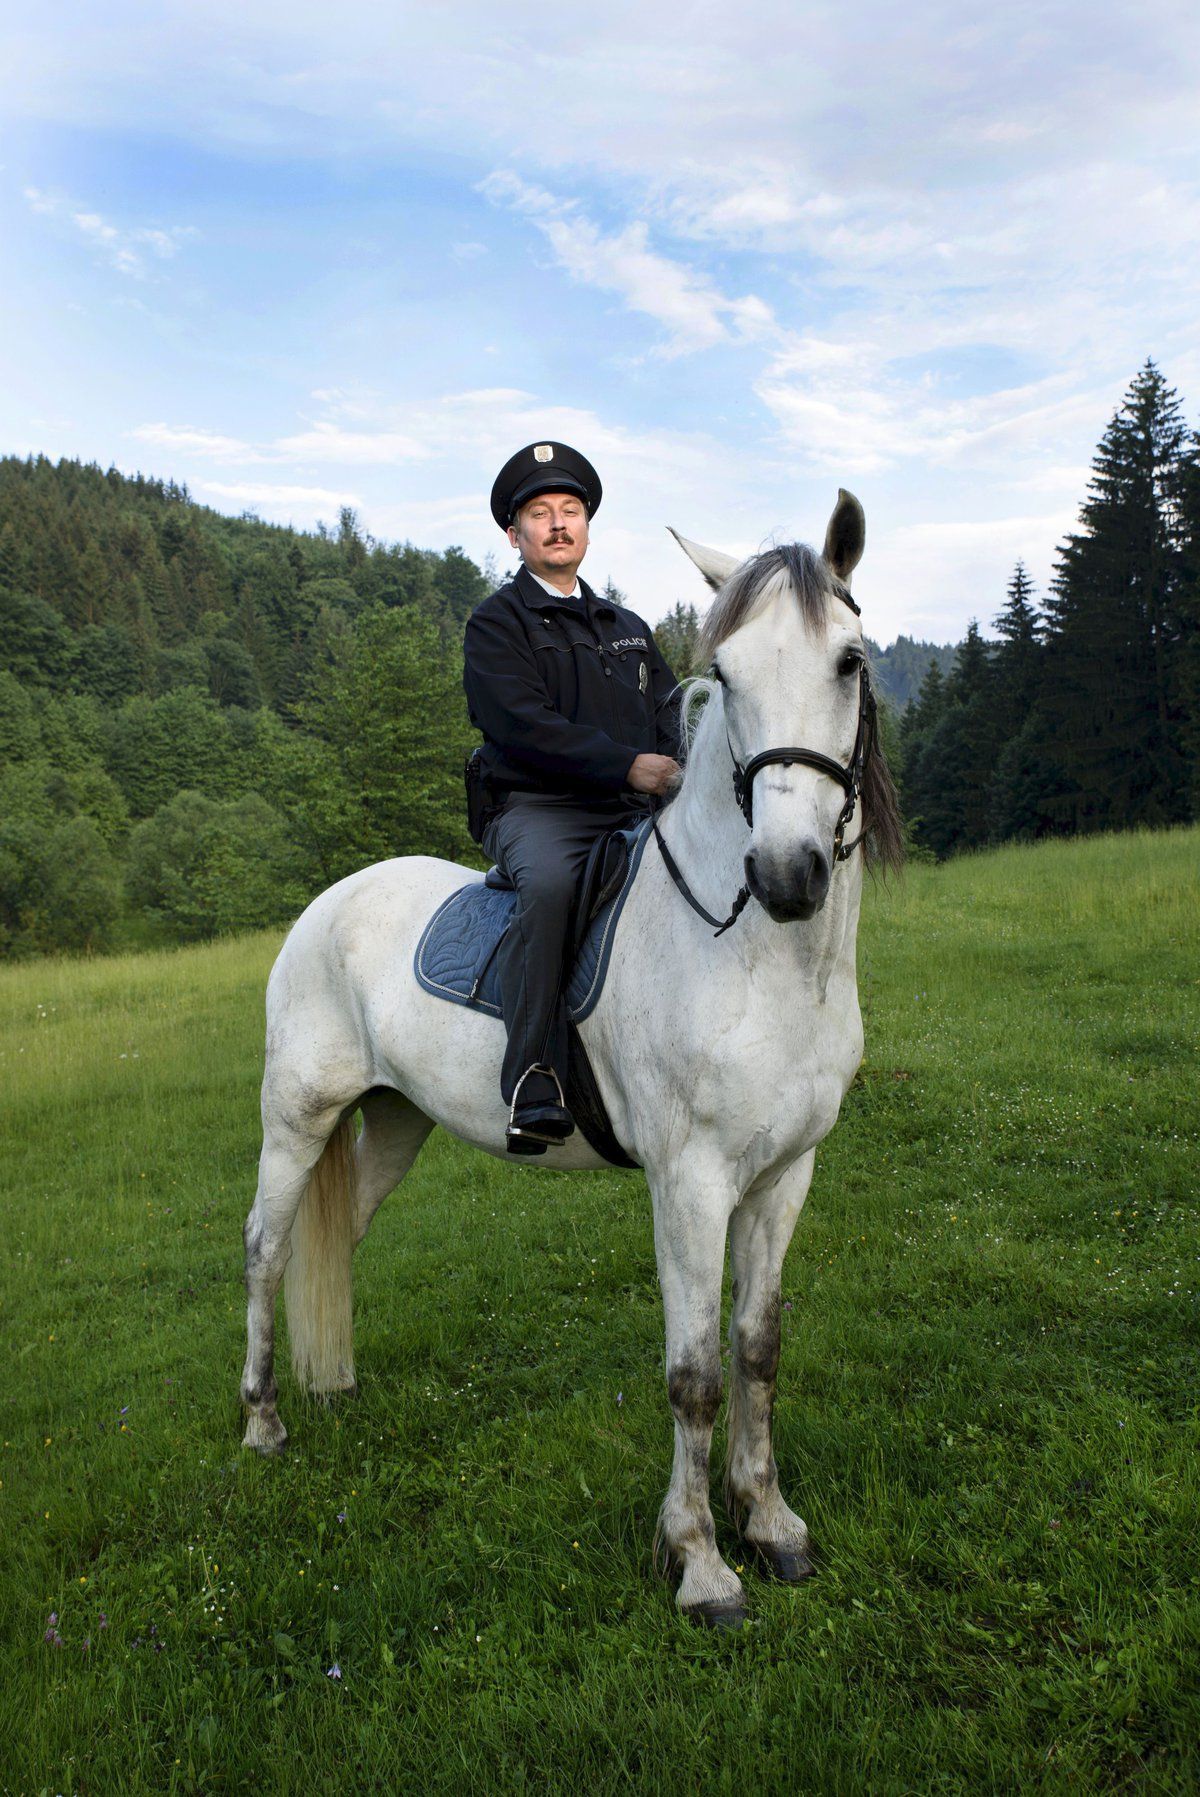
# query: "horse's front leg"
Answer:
x=689 y=1239
x=759 y=1233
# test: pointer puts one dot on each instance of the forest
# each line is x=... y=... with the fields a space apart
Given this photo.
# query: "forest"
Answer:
x=204 y=720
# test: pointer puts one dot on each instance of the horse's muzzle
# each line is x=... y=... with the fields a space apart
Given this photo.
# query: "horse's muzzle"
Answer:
x=789 y=891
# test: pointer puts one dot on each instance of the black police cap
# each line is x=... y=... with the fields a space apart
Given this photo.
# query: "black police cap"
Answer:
x=543 y=468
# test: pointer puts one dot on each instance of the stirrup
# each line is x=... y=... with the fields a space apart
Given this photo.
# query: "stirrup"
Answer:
x=535 y=1067
x=526 y=1135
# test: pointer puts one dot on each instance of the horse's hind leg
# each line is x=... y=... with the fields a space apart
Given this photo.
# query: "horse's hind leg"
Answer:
x=388 y=1144
x=759 y=1233
x=285 y=1169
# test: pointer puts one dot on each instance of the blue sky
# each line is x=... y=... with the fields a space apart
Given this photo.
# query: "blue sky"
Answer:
x=738 y=256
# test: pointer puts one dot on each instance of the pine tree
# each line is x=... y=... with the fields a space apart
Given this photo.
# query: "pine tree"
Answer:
x=678 y=638
x=1115 y=623
x=376 y=768
x=461 y=584
x=350 y=540
x=1017 y=659
x=976 y=741
x=1187 y=654
x=918 y=776
x=14 y=561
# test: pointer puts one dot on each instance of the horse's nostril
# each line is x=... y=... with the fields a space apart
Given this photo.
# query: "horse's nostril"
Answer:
x=810 y=871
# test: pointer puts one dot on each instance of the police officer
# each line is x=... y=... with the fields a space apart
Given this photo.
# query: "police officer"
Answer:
x=580 y=720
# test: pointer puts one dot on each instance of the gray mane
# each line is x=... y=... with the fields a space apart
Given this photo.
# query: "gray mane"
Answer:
x=809 y=575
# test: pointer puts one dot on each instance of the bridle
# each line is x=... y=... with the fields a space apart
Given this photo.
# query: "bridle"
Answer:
x=849 y=778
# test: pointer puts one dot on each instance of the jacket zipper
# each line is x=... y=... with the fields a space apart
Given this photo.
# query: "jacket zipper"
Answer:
x=609 y=676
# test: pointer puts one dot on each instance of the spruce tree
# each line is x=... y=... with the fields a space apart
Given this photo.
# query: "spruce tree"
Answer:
x=969 y=754
x=678 y=639
x=1187 y=654
x=1116 y=618
x=1017 y=658
x=918 y=774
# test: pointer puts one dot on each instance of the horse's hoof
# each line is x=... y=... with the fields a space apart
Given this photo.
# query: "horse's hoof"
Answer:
x=716 y=1615
x=265 y=1434
x=269 y=1450
x=787 y=1564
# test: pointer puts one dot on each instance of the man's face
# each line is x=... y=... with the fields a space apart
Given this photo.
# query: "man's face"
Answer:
x=551 y=533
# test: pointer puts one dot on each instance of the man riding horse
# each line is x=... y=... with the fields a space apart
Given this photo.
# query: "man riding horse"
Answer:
x=580 y=720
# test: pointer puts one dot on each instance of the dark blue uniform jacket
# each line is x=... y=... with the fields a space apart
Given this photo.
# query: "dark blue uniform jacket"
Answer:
x=566 y=692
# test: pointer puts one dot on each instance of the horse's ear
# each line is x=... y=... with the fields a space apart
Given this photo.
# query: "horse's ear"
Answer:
x=715 y=566
x=846 y=536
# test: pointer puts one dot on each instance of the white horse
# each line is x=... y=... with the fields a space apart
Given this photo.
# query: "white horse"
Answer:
x=722 y=1062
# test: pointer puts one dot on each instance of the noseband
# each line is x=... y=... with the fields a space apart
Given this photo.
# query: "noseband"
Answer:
x=849 y=778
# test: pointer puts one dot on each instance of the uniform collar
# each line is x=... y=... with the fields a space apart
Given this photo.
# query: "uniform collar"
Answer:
x=575 y=593
x=537 y=598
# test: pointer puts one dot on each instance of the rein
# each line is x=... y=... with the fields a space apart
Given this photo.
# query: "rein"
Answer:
x=849 y=778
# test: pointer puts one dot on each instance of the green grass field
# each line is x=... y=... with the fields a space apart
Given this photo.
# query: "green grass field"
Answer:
x=988 y=1406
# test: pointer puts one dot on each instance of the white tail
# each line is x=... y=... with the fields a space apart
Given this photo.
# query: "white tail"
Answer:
x=317 y=1281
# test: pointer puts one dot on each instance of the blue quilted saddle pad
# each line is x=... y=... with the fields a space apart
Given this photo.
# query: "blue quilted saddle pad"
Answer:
x=456 y=957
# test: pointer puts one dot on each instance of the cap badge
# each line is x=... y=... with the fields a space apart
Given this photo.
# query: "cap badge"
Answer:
x=543 y=452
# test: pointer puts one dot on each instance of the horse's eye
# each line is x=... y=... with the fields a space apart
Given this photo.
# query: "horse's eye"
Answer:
x=714 y=673
x=851 y=662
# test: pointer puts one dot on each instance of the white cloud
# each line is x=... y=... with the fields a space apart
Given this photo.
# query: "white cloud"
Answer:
x=123 y=248
x=325 y=441
x=286 y=502
x=951 y=571
x=693 y=313
x=841 y=408
x=196 y=442
x=328 y=442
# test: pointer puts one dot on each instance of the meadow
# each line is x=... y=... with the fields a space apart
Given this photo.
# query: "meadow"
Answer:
x=988 y=1408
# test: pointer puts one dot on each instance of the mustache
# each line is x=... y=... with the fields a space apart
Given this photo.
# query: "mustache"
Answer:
x=560 y=536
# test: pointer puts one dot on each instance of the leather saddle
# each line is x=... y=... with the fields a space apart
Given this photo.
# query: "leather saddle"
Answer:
x=604 y=874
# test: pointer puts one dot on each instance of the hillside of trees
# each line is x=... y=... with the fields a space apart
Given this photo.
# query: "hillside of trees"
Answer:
x=204 y=720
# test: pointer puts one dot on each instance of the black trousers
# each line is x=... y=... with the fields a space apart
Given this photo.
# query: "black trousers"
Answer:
x=542 y=842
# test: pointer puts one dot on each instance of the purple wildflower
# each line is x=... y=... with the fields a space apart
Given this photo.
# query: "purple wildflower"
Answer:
x=52 y=1619
x=87 y=1644
x=341 y=1516
x=620 y=1398
x=335 y=1671
x=103 y=1619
